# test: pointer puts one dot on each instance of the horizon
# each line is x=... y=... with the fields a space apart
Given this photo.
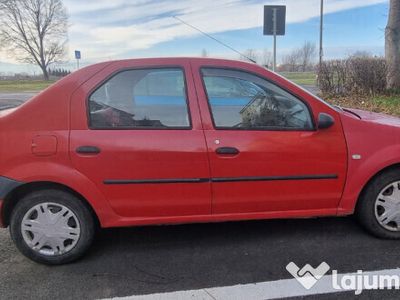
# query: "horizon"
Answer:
x=109 y=31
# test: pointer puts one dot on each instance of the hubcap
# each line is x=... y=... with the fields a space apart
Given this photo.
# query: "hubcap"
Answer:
x=387 y=207
x=50 y=229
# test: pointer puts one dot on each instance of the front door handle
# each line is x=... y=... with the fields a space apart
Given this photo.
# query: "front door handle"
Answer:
x=227 y=151
x=88 y=150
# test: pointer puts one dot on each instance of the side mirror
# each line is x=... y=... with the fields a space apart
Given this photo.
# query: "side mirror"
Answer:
x=325 y=121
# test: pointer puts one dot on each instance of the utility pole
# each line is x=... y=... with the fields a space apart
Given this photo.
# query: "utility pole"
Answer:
x=321 y=29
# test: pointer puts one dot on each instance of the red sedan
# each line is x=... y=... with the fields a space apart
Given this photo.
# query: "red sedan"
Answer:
x=179 y=140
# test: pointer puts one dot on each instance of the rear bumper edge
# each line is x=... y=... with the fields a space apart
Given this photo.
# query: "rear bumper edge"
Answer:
x=2 y=224
x=6 y=186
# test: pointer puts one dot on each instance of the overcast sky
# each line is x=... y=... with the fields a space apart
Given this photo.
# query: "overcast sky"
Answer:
x=113 y=29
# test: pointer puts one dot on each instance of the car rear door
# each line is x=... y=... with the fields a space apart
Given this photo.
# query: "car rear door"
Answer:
x=266 y=154
x=136 y=133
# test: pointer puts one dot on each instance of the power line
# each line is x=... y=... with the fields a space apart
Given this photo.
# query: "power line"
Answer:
x=213 y=38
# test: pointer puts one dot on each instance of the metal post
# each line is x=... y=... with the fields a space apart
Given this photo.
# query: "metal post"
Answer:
x=321 y=29
x=274 y=20
x=77 y=64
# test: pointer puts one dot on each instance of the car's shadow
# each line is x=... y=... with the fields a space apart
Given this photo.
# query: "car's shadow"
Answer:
x=237 y=252
x=126 y=261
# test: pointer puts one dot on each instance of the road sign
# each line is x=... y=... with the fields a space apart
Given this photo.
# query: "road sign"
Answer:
x=274 y=19
x=274 y=23
x=77 y=54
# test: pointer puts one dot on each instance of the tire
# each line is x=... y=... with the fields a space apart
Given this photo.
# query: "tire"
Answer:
x=369 y=209
x=58 y=223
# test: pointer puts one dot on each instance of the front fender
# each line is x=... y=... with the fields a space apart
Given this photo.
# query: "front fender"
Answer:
x=361 y=172
x=372 y=147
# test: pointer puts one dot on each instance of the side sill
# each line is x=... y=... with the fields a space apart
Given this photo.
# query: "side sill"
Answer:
x=293 y=214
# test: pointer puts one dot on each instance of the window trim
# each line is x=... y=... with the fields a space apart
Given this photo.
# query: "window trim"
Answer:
x=266 y=128
x=115 y=73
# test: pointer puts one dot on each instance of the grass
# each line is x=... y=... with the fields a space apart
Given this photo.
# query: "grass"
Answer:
x=24 y=85
x=389 y=104
x=302 y=78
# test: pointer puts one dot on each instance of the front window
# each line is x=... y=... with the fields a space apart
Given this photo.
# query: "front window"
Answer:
x=244 y=101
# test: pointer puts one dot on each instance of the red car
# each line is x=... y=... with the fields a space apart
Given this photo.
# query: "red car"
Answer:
x=179 y=140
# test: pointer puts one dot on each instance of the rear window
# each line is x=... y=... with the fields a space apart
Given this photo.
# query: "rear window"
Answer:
x=150 y=98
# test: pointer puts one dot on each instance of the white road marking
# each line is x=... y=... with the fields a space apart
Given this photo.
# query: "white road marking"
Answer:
x=258 y=291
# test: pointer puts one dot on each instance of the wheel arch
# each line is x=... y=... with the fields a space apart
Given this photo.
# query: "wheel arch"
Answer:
x=395 y=166
x=14 y=196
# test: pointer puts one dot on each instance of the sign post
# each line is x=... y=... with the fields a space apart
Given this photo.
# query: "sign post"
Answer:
x=274 y=23
x=274 y=31
x=77 y=57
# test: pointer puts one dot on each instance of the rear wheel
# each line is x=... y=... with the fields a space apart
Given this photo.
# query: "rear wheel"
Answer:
x=378 y=209
x=52 y=227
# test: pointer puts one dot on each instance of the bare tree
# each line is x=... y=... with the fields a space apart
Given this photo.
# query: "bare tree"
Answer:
x=392 y=46
x=307 y=53
x=34 y=31
x=292 y=61
x=300 y=59
x=266 y=58
x=250 y=54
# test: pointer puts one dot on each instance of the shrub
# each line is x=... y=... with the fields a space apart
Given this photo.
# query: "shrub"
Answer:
x=355 y=75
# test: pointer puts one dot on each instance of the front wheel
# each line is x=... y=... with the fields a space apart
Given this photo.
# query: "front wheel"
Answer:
x=52 y=227
x=378 y=208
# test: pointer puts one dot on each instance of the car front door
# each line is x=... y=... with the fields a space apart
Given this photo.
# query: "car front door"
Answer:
x=266 y=154
x=136 y=133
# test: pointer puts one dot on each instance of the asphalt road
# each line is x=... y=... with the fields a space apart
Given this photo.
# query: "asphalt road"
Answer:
x=146 y=260
x=14 y=99
x=312 y=89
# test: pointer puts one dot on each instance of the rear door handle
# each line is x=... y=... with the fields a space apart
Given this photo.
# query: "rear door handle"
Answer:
x=227 y=151
x=88 y=150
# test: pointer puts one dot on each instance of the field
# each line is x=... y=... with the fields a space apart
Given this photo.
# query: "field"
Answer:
x=13 y=86
x=301 y=78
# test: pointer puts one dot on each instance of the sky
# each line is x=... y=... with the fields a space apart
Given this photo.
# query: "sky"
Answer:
x=108 y=30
